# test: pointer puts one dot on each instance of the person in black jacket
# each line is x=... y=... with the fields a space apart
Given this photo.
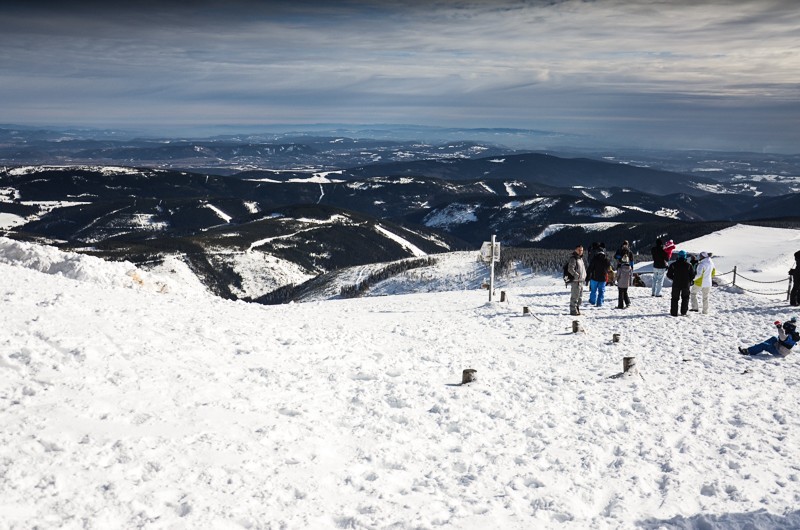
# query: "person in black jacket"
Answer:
x=794 y=296
x=597 y=276
x=659 y=266
x=681 y=274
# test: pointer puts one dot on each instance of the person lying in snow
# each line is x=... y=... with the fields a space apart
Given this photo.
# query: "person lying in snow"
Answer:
x=780 y=345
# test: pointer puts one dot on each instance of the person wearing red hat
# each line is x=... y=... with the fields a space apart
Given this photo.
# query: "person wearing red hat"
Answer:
x=780 y=346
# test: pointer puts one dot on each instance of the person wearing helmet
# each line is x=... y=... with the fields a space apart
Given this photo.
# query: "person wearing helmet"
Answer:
x=780 y=346
x=681 y=274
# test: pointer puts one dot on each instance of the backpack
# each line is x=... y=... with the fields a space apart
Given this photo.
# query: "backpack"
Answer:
x=568 y=277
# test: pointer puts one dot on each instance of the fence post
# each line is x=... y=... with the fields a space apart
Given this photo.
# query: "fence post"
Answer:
x=789 y=290
x=734 y=275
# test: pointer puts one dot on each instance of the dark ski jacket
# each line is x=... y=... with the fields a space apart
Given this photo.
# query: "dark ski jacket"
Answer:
x=681 y=273
x=795 y=271
x=659 y=257
x=598 y=267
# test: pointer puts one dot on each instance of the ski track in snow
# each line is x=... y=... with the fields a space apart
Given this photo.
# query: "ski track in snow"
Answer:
x=128 y=408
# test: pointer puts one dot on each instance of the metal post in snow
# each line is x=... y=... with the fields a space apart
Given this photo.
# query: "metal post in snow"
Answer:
x=491 y=268
x=734 y=275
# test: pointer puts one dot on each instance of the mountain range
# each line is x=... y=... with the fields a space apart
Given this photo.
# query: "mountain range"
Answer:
x=294 y=225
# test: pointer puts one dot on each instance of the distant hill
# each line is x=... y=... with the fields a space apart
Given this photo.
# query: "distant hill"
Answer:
x=252 y=233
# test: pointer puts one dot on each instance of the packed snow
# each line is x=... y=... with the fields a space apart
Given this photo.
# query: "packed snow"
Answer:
x=407 y=245
x=222 y=215
x=132 y=398
x=9 y=220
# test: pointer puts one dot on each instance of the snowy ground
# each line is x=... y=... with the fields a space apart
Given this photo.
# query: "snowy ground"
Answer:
x=132 y=401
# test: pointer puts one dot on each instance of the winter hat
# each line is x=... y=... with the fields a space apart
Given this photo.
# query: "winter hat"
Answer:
x=681 y=254
x=659 y=242
x=703 y=255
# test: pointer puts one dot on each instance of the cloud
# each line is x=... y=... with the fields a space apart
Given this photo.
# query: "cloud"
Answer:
x=580 y=63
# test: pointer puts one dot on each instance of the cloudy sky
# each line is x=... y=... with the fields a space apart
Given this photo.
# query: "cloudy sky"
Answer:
x=670 y=73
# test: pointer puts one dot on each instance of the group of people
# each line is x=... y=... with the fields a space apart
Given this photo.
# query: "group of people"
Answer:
x=690 y=277
x=597 y=274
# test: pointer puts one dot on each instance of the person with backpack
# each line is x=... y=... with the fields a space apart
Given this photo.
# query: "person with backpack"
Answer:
x=681 y=274
x=597 y=276
x=660 y=258
x=622 y=252
x=780 y=346
x=794 y=272
x=702 y=283
x=574 y=276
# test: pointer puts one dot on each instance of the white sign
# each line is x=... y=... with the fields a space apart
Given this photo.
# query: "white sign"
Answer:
x=486 y=251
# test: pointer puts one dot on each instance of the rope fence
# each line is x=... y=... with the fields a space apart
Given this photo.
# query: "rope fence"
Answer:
x=739 y=277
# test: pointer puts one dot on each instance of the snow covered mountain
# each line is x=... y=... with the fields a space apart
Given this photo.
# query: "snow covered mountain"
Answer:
x=132 y=398
x=248 y=235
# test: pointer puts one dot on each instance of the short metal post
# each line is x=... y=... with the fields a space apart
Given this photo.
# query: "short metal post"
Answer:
x=468 y=376
x=734 y=275
x=629 y=366
x=491 y=269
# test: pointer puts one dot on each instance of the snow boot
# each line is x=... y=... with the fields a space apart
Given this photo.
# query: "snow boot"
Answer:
x=743 y=351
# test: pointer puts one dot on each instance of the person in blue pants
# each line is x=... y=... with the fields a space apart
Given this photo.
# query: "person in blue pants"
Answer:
x=780 y=346
x=597 y=276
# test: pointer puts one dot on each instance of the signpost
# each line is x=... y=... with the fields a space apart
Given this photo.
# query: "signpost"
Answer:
x=490 y=251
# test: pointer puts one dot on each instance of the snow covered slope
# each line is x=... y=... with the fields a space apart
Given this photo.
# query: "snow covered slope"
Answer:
x=762 y=257
x=124 y=404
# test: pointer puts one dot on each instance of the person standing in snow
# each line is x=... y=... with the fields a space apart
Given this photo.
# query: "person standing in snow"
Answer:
x=594 y=248
x=576 y=269
x=780 y=346
x=597 y=276
x=624 y=250
x=681 y=274
x=669 y=248
x=624 y=280
x=659 y=267
x=705 y=272
x=794 y=296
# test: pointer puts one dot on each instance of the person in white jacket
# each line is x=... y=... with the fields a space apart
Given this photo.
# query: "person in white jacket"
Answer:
x=702 y=281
